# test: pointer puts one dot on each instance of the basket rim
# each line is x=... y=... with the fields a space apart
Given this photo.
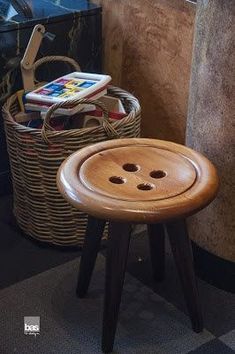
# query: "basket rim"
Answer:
x=112 y=90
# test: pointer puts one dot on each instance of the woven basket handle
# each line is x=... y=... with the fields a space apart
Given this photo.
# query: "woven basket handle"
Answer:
x=54 y=58
x=109 y=129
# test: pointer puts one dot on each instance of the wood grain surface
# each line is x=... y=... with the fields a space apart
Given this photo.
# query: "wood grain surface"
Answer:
x=137 y=173
x=112 y=180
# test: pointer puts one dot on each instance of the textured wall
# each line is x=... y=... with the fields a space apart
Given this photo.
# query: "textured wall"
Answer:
x=211 y=120
x=148 y=50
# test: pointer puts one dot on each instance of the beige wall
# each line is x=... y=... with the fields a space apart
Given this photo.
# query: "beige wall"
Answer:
x=147 y=50
x=211 y=121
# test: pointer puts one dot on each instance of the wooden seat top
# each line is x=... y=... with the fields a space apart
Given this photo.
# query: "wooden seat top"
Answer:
x=138 y=180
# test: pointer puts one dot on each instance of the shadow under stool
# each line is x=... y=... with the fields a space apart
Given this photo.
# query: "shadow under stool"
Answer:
x=126 y=181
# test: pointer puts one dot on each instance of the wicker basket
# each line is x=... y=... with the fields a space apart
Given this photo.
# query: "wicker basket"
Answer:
x=36 y=154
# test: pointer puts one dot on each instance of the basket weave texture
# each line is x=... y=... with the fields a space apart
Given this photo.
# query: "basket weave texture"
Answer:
x=35 y=156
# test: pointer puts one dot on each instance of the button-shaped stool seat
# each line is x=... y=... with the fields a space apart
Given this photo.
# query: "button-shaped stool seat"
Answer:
x=128 y=181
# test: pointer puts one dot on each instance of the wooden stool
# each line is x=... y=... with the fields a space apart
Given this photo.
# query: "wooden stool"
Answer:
x=137 y=181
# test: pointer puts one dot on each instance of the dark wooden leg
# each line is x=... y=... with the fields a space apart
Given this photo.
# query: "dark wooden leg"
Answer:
x=94 y=232
x=117 y=252
x=182 y=251
x=157 y=250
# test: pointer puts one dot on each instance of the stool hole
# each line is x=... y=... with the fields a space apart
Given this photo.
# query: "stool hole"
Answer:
x=157 y=174
x=117 y=180
x=145 y=186
x=130 y=167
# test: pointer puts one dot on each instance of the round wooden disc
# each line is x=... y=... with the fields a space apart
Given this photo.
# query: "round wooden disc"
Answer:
x=137 y=173
x=138 y=180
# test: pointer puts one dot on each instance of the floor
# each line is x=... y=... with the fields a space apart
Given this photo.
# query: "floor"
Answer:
x=21 y=256
x=22 y=261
